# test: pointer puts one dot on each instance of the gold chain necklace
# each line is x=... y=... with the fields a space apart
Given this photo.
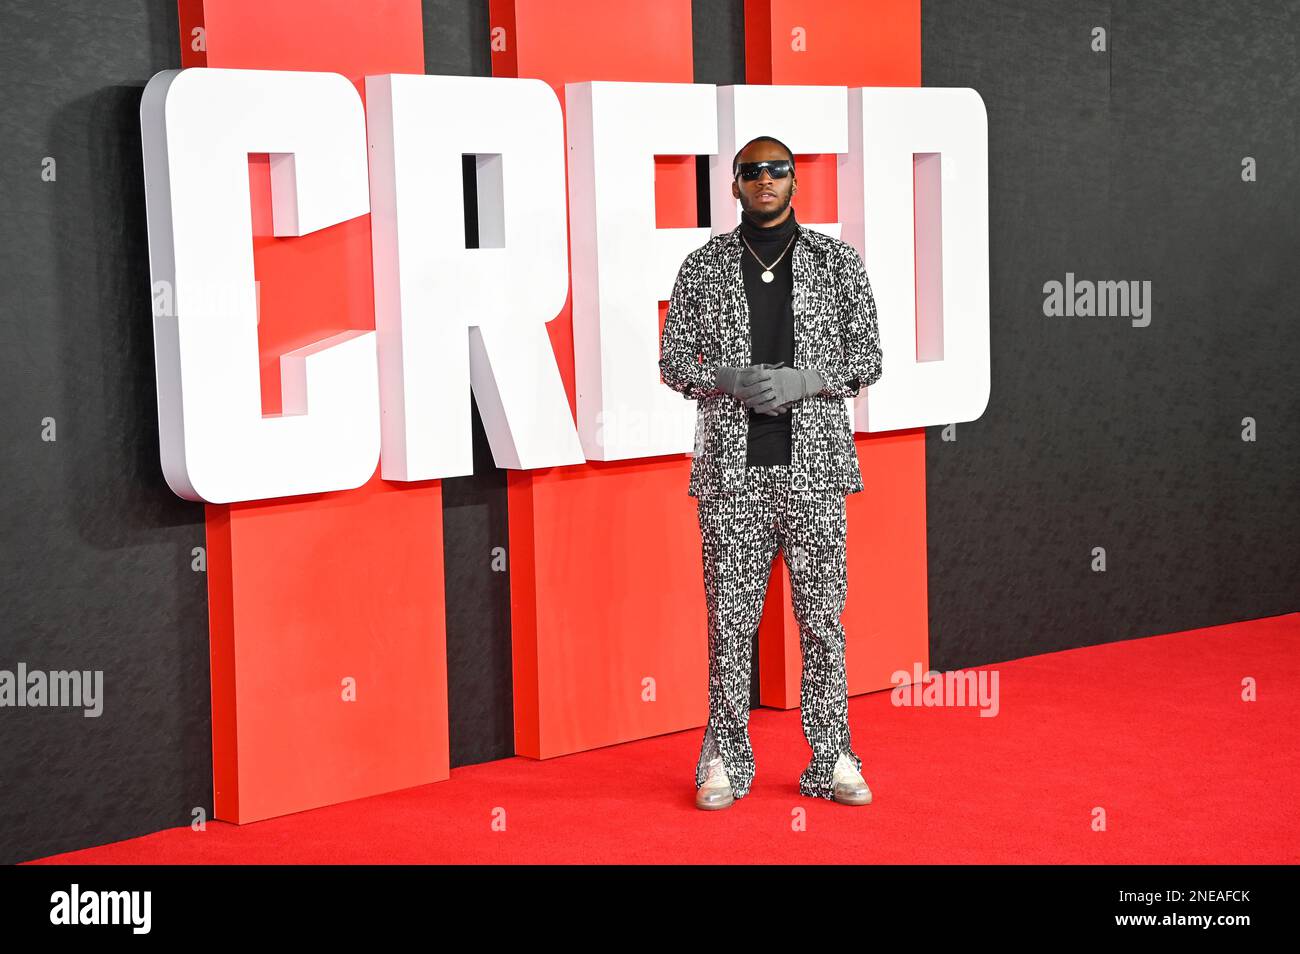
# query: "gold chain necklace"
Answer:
x=767 y=275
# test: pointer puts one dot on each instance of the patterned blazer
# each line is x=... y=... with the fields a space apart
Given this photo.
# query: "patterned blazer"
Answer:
x=835 y=333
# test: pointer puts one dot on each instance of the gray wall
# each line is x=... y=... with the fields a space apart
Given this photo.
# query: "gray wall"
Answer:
x=96 y=550
x=1125 y=166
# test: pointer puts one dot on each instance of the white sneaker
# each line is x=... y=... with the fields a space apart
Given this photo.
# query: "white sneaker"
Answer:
x=716 y=790
x=845 y=772
x=849 y=786
x=717 y=775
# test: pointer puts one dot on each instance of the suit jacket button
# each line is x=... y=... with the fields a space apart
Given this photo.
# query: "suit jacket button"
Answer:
x=799 y=480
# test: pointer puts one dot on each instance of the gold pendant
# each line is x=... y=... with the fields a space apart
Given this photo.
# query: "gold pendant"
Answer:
x=768 y=276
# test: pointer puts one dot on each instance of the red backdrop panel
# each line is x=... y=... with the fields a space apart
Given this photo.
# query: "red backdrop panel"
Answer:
x=597 y=619
x=886 y=619
x=608 y=624
x=311 y=594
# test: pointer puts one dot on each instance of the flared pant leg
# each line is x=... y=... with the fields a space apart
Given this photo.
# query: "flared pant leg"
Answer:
x=812 y=535
x=738 y=541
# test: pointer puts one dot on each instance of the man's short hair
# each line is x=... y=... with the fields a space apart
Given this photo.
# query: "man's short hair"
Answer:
x=735 y=163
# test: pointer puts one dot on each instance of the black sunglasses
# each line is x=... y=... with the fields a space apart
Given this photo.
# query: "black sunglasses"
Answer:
x=777 y=168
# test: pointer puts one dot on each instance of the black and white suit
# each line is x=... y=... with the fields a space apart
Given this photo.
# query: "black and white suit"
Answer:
x=835 y=333
x=747 y=513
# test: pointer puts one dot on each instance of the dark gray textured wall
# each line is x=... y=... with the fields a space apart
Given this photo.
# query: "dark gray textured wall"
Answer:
x=1125 y=165
x=95 y=568
x=1114 y=166
x=480 y=680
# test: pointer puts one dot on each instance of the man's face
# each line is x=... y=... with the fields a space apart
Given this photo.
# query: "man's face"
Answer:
x=765 y=199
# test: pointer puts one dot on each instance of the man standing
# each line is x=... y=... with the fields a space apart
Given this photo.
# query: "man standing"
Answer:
x=769 y=328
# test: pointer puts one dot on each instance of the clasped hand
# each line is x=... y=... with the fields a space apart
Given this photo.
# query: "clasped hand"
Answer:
x=769 y=389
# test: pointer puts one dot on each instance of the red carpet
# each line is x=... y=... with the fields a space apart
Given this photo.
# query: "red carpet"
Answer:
x=1154 y=731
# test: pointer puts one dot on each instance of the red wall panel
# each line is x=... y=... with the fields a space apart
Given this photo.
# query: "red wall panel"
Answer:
x=307 y=592
x=886 y=619
x=596 y=611
x=606 y=589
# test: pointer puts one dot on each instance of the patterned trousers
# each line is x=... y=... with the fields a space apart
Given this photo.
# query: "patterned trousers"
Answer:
x=739 y=534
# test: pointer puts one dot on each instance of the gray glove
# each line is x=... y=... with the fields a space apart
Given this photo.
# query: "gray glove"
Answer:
x=787 y=386
x=777 y=410
x=753 y=383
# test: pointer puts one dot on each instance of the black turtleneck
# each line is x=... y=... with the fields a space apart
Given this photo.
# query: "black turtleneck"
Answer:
x=771 y=324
